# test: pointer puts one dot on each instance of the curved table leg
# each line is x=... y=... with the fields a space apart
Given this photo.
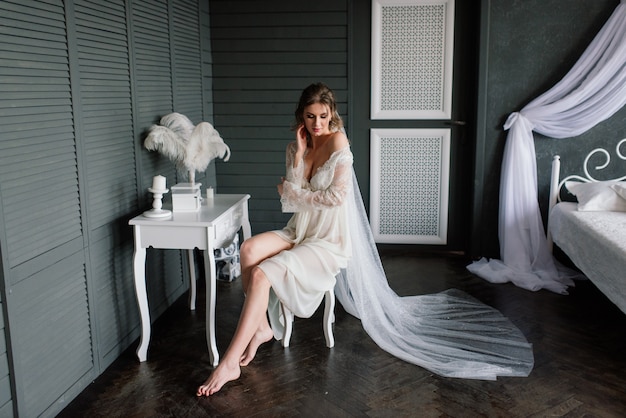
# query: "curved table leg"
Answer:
x=139 y=269
x=192 y=280
x=210 y=275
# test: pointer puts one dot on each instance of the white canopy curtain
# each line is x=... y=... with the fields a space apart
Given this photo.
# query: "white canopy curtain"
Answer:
x=592 y=91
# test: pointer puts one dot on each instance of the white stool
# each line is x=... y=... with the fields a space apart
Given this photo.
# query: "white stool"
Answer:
x=329 y=319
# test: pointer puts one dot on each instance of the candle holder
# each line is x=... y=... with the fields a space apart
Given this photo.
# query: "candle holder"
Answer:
x=157 y=203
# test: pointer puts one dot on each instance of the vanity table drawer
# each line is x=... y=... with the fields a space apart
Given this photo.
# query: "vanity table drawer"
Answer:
x=180 y=237
x=226 y=230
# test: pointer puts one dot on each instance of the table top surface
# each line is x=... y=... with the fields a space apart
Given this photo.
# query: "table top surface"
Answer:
x=210 y=212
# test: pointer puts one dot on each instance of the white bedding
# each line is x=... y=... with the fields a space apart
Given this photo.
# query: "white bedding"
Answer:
x=596 y=243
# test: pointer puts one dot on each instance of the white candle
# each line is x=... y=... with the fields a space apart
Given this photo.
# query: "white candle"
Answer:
x=158 y=183
x=209 y=193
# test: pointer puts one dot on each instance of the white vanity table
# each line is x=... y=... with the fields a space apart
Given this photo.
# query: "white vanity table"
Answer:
x=213 y=226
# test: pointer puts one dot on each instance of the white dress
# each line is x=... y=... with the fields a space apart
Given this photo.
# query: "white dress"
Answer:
x=449 y=333
x=319 y=229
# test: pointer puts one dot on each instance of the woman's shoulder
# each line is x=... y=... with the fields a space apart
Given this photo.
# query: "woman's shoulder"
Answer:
x=339 y=148
x=338 y=141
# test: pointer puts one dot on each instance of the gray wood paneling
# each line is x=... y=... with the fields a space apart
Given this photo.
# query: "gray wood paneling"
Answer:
x=82 y=81
x=264 y=54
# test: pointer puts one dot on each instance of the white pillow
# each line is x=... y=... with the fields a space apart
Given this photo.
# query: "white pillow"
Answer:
x=620 y=189
x=596 y=196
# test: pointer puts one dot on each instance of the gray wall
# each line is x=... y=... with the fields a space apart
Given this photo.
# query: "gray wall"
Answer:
x=266 y=51
x=527 y=47
x=264 y=54
x=81 y=82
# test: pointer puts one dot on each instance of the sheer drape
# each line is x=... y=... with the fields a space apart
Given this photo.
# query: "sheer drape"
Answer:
x=592 y=91
x=449 y=333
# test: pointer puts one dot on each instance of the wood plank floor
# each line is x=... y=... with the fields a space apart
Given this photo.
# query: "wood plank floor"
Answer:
x=579 y=344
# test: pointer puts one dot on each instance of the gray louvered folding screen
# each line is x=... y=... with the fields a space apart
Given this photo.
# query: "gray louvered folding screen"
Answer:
x=47 y=297
x=105 y=132
x=82 y=80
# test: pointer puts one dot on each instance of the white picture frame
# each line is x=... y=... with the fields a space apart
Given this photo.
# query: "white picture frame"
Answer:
x=409 y=185
x=412 y=58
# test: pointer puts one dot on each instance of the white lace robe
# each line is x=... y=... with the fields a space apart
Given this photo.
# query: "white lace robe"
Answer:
x=319 y=229
x=449 y=333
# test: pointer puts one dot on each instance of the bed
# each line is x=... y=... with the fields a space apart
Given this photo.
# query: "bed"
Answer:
x=592 y=230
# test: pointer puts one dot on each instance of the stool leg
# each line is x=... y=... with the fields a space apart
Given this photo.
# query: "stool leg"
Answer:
x=288 y=318
x=329 y=318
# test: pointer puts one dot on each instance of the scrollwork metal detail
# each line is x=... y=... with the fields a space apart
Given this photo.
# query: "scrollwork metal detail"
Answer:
x=588 y=178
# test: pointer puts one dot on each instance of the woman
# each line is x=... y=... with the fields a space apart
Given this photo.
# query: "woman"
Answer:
x=298 y=264
x=449 y=333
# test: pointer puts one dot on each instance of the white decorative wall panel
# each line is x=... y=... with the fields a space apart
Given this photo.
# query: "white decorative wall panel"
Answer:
x=409 y=171
x=412 y=45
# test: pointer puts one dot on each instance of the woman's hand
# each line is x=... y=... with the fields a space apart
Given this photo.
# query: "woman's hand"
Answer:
x=301 y=139
x=280 y=186
x=301 y=144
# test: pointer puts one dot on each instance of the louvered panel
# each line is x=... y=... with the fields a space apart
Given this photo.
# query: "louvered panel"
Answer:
x=187 y=59
x=6 y=403
x=114 y=290
x=6 y=407
x=116 y=196
x=52 y=197
x=20 y=127
x=164 y=277
x=37 y=151
x=154 y=98
x=153 y=81
x=41 y=241
x=23 y=24
x=39 y=148
x=51 y=306
x=106 y=111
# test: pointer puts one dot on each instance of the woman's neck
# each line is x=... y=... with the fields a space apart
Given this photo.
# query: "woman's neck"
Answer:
x=319 y=141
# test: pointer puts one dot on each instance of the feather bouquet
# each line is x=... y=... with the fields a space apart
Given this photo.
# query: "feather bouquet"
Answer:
x=190 y=147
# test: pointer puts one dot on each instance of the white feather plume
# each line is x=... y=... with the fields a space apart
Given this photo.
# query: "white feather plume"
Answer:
x=179 y=124
x=191 y=147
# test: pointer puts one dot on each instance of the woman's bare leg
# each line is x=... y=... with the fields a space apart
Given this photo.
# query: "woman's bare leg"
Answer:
x=253 y=251
x=256 y=249
x=254 y=308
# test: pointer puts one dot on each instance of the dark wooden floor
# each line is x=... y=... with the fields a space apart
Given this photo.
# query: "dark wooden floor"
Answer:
x=579 y=344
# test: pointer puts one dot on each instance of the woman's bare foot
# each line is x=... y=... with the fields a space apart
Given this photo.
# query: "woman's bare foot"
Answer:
x=223 y=374
x=261 y=336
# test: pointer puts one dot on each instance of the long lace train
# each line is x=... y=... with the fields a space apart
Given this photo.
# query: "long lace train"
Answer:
x=449 y=333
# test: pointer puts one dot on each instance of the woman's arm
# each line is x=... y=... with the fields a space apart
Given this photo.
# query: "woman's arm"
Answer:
x=295 y=198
